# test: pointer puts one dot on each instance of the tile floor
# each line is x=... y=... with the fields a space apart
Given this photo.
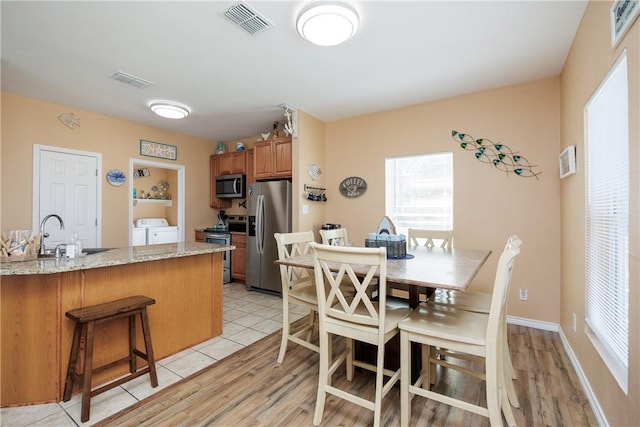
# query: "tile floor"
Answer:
x=248 y=316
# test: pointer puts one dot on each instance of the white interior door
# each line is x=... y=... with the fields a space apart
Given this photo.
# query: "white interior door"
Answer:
x=69 y=187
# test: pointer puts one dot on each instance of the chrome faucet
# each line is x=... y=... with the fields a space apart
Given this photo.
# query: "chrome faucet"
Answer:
x=43 y=234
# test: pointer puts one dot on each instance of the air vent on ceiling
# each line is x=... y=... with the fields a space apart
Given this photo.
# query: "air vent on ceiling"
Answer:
x=246 y=18
x=131 y=80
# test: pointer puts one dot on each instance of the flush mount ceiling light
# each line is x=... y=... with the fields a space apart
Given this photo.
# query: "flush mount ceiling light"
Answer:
x=327 y=24
x=169 y=110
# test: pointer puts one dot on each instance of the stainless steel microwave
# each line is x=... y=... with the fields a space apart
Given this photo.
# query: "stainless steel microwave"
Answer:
x=231 y=186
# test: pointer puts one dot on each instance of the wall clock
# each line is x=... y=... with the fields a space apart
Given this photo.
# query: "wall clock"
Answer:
x=352 y=187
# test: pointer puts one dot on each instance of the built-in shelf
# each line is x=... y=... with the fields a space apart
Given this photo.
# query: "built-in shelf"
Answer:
x=167 y=203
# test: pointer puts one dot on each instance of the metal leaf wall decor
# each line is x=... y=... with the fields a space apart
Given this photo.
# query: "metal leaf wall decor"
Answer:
x=497 y=154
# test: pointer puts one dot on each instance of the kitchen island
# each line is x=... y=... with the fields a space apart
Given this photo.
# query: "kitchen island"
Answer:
x=185 y=279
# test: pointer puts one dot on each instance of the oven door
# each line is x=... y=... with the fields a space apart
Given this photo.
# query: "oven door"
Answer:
x=218 y=239
x=225 y=240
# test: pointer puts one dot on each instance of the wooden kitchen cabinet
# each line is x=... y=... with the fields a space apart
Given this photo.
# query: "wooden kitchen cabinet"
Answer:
x=239 y=162
x=214 y=171
x=272 y=159
x=239 y=256
x=225 y=164
x=250 y=178
x=232 y=163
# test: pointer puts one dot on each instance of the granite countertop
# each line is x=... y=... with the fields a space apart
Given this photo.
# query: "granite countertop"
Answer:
x=112 y=257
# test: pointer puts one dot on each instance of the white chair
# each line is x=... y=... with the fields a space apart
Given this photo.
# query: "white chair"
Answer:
x=298 y=287
x=424 y=237
x=335 y=237
x=462 y=331
x=479 y=302
x=355 y=317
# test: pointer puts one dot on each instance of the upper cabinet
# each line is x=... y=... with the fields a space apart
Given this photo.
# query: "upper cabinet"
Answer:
x=250 y=178
x=214 y=168
x=272 y=159
x=232 y=163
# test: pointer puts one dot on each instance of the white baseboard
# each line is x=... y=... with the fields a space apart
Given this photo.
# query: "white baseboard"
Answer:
x=537 y=324
x=555 y=327
x=595 y=405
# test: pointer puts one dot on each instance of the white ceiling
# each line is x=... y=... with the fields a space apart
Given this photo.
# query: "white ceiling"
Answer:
x=405 y=52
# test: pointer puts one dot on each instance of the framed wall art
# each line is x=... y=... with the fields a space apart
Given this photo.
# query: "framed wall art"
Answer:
x=156 y=149
x=568 y=161
x=623 y=13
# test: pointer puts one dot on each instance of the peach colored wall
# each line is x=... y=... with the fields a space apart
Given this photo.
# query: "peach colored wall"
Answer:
x=489 y=205
x=589 y=61
x=27 y=121
x=311 y=148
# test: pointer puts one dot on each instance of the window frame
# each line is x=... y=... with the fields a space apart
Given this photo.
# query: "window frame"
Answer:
x=606 y=210
x=391 y=210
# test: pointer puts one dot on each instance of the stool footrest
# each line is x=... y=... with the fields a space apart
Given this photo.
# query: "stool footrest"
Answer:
x=121 y=381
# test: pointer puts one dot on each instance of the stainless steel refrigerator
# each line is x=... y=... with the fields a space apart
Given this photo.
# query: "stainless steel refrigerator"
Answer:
x=269 y=213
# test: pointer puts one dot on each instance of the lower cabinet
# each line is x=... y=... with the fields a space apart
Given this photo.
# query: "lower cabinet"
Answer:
x=239 y=256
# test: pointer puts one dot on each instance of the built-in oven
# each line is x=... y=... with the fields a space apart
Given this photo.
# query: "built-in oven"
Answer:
x=221 y=238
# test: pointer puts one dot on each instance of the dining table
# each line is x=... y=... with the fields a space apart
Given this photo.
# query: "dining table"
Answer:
x=423 y=269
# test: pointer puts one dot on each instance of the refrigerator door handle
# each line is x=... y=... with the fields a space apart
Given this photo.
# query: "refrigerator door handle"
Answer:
x=260 y=224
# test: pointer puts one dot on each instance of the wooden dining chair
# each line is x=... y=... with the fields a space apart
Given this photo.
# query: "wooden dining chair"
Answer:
x=461 y=331
x=335 y=237
x=355 y=317
x=479 y=302
x=298 y=287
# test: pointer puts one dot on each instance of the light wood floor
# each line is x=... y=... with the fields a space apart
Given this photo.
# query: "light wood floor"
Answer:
x=249 y=388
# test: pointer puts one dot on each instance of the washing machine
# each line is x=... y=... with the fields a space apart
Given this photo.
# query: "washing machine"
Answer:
x=158 y=230
x=139 y=236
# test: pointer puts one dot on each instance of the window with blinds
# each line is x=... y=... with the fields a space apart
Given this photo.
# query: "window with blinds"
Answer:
x=419 y=191
x=607 y=220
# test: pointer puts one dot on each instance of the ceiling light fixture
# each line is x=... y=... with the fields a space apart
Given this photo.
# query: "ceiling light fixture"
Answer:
x=327 y=24
x=169 y=110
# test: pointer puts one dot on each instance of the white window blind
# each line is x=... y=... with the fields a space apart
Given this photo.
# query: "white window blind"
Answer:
x=419 y=191
x=607 y=220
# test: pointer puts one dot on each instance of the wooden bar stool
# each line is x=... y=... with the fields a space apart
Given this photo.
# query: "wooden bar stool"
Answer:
x=85 y=319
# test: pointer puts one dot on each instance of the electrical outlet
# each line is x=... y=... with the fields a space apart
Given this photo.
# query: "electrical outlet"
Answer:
x=574 y=322
x=523 y=294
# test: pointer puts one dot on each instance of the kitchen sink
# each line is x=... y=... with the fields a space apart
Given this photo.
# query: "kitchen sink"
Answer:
x=90 y=251
x=85 y=251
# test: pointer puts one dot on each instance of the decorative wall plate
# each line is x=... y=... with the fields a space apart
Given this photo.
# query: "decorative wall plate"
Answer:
x=116 y=177
x=314 y=171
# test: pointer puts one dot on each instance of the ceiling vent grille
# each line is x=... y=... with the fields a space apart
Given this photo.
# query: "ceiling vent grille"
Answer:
x=246 y=18
x=131 y=80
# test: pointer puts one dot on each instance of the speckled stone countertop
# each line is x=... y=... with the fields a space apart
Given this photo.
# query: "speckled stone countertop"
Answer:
x=117 y=256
